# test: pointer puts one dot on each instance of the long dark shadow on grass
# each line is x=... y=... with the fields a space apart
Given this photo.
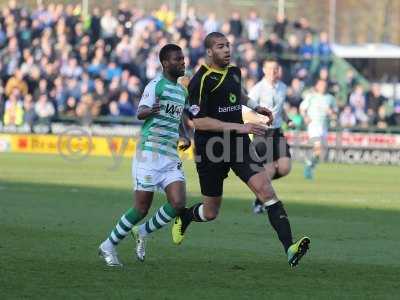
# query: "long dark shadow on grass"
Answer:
x=53 y=192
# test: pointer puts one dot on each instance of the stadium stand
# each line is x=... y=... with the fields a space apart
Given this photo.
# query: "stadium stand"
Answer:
x=58 y=65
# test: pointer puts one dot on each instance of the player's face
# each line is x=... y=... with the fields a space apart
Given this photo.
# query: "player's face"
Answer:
x=175 y=65
x=221 y=52
x=271 y=70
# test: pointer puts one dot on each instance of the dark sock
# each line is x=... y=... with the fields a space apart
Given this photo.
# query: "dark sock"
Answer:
x=258 y=202
x=192 y=214
x=280 y=222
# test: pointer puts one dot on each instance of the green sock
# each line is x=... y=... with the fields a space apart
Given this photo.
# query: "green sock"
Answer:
x=124 y=225
x=161 y=218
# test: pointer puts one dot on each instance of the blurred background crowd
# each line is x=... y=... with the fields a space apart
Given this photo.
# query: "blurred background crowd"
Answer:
x=57 y=64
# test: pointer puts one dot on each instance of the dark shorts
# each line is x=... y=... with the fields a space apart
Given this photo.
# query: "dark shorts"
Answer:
x=272 y=146
x=214 y=161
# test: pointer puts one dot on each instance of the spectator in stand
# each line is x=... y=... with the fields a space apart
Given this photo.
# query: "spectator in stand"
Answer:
x=196 y=50
x=357 y=102
x=294 y=93
x=42 y=89
x=307 y=51
x=134 y=89
x=302 y=28
x=114 y=90
x=109 y=26
x=112 y=71
x=95 y=25
x=70 y=107
x=324 y=50
x=396 y=114
x=254 y=27
x=125 y=107
x=165 y=16
x=11 y=56
x=382 y=119
x=29 y=111
x=280 y=25
x=211 y=24
x=71 y=69
x=333 y=87
x=73 y=88
x=124 y=53
x=44 y=110
x=346 y=118
x=13 y=109
x=374 y=101
x=87 y=109
x=114 y=113
x=16 y=82
x=273 y=47
x=236 y=25
x=100 y=96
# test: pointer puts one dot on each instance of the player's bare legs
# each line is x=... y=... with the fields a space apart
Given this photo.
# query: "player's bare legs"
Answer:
x=142 y=201
x=275 y=170
x=279 y=168
x=141 y=204
x=260 y=184
x=176 y=196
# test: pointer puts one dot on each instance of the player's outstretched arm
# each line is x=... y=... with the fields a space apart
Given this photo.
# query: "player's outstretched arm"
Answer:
x=211 y=124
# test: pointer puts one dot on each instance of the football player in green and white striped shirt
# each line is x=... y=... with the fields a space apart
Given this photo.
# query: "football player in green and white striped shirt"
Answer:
x=156 y=164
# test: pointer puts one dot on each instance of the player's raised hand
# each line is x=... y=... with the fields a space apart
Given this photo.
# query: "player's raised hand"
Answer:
x=252 y=128
x=265 y=112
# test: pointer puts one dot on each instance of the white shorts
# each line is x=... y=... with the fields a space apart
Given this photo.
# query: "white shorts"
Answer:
x=317 y=133
x=152 y=171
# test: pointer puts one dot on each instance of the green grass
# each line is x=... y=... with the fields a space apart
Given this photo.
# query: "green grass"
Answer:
x=54 y=213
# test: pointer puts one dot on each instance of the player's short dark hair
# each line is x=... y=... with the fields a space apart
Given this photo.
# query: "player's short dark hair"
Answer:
x=166 y=50
x=210 y=39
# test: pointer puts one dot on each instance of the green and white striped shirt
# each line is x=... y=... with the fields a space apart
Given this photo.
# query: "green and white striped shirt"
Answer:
x=160 y=133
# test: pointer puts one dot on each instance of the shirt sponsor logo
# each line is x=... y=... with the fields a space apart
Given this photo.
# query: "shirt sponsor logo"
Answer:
x=173 y=110
x=230 y=108
x=232 y=98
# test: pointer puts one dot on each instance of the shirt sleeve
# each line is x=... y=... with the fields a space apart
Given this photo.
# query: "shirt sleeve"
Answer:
x=149 y=95
x=254 y=97
x=197 y=97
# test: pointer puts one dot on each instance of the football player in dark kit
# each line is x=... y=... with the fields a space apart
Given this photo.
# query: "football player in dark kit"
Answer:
x=222 y=143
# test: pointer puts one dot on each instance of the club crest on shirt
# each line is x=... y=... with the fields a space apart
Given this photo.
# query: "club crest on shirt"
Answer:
x=194 y=110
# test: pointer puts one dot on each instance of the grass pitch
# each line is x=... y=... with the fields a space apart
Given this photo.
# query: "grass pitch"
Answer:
x=54 y=213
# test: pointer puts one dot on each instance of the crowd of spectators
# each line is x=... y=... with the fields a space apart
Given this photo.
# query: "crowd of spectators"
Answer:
x=57 y=63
